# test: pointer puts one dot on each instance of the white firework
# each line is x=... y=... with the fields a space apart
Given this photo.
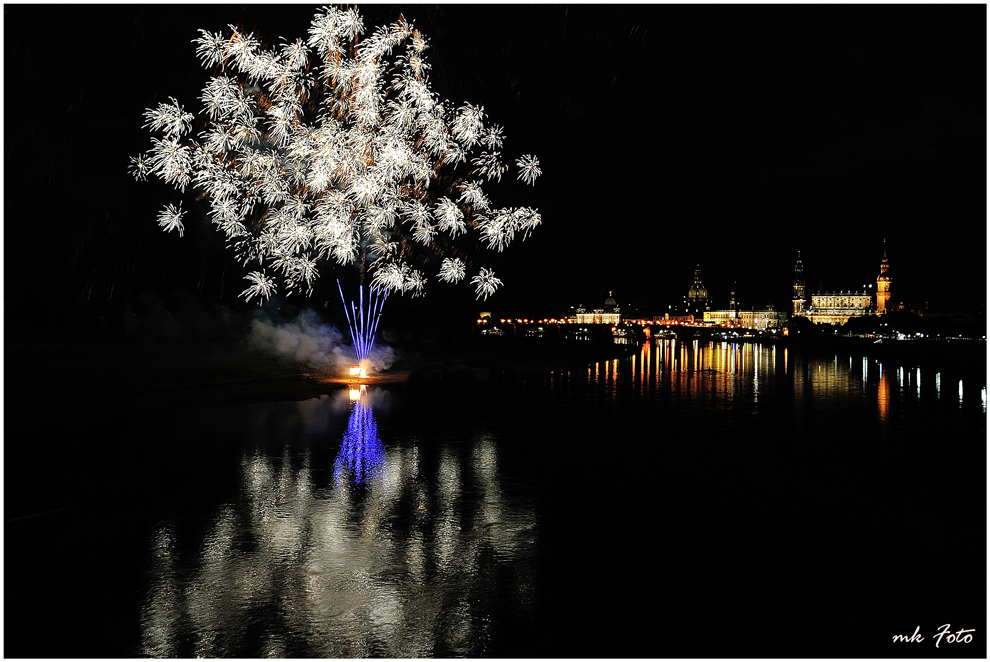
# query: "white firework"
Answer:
x=172 y=119
x=139 y=169
x=172 y=161
x=327 y=150
x=170 y=218
x=424 y=232
x=416 y=212
x=529 y=168
x=219 y=96
x=469 y=124
x=498 y=229
x=485 y=283
x=450 y=217
x=211 y=47
x=492 y=137
x=261 y=286
x=471 y=193
x=390 y=277
x=528 y=220
x=452 y=270
x=489 y=165
x=294 y=237
x=415 y=283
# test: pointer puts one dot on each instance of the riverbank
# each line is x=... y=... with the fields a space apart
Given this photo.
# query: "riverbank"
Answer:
x=136 y=374
x=89 y=374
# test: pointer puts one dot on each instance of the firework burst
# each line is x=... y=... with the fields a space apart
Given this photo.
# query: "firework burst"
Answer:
x=333 y=150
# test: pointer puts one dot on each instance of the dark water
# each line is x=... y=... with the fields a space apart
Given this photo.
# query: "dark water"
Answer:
x=722 y=500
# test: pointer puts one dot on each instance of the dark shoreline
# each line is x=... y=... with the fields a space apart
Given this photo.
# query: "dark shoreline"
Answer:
x=196 y=373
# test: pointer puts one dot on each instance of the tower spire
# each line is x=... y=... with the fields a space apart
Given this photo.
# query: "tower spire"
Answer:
x=798 y=299
x=883 y=284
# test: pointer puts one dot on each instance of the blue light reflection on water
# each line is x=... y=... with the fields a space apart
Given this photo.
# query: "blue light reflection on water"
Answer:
x=361 y=452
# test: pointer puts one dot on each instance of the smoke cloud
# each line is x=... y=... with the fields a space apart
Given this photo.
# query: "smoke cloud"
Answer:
x=310 y=341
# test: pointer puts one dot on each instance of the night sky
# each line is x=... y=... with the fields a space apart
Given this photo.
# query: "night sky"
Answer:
x=669 y=136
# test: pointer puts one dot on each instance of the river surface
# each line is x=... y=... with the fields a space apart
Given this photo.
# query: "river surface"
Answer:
x=712 y=500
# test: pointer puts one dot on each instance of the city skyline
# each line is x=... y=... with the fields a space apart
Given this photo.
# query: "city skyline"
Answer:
x=749 y=295
x=727 y=136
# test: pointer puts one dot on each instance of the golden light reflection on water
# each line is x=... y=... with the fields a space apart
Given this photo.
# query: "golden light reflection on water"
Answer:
x=883 y=395
x=748 y=375
x=400 y=565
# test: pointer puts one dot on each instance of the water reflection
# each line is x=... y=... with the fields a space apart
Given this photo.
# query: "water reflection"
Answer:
x=756 y=378
x=361 y=452
x=403 y=554
x=883 y=396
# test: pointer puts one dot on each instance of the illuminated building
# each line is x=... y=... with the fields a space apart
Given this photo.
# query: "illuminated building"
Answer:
x=733 y=317
x=838 y=307
x=883 y=284
x=609 y=313
x=667 y=318
x=696 y=301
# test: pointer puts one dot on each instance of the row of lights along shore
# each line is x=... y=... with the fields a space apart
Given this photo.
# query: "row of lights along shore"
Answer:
x=485 y=320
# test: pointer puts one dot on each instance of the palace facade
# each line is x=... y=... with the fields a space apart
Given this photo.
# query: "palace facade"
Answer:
x=839 y=307
x=749 y=319
x=608 y=313
x=735 y=317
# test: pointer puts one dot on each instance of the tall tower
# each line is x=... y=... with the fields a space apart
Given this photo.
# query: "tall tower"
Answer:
x=799 y=300
x=883 y=284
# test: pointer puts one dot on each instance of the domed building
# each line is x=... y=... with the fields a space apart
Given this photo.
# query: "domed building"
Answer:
x=698 y=294
x=696 y=300
x=608 y=313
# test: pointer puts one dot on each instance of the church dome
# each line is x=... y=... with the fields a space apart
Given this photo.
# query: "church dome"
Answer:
x=698 y=292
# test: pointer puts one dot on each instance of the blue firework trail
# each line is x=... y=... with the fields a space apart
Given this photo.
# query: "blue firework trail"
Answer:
x=363 y=319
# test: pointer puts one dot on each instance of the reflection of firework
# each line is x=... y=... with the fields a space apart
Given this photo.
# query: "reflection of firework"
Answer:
x=363 y=319
x=418 y=562
x=361 y=451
